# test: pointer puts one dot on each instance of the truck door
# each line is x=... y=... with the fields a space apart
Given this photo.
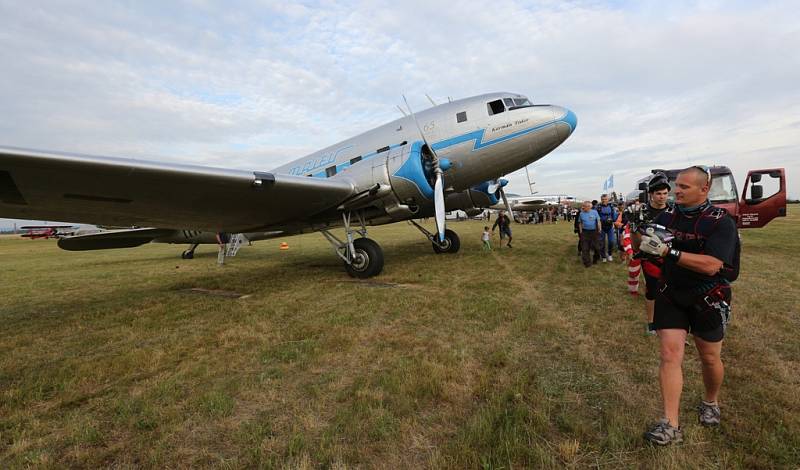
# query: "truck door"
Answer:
x=757 y=208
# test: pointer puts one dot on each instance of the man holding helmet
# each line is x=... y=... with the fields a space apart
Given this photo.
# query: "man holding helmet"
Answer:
x=693 y=295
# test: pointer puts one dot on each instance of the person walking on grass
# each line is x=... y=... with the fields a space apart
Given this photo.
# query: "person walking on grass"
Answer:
x=486 y=239
x=694 y=294
x=608 y=214
x=588 y=230
x=505 y=227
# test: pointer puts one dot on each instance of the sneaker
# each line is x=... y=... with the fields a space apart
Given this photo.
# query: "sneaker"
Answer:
x=708 y=413
x=605 y=259
x=663 y=434
x=610 y=258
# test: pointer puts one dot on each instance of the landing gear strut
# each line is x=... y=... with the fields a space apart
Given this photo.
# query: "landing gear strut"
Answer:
x=451 y=242
x=362 y=257
x=189 y=254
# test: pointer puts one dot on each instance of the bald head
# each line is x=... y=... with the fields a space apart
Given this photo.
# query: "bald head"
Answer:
x=699 y=176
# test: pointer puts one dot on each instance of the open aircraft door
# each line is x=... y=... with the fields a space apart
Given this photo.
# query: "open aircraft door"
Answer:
x=756 y=209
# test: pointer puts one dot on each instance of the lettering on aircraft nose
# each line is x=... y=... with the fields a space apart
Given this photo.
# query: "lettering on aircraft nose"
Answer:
x=509 y=124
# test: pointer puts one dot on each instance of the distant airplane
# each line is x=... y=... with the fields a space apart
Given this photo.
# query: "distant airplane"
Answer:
x=47 y=231
x=448 y=157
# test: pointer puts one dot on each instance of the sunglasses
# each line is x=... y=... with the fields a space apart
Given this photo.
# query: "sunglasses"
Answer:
x=705 y=170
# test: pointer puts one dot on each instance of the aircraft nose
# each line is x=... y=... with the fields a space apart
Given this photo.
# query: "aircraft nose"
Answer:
x=566 y=121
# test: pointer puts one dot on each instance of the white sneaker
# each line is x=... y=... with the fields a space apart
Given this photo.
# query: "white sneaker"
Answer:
x=604 y=260
x=610 y=258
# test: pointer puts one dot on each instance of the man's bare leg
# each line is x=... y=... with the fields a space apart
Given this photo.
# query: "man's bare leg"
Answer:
x=713 y=370
x=670 y=372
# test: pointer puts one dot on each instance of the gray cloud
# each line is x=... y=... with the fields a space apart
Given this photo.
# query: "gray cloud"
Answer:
x=254 y=84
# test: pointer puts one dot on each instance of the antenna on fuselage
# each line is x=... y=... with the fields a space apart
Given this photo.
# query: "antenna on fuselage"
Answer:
x=401 y=110
x=431 y=100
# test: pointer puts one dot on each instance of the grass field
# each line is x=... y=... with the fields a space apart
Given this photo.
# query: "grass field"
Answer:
x=514 y=358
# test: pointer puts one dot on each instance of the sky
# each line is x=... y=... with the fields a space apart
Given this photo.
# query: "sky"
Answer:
x=255 y=84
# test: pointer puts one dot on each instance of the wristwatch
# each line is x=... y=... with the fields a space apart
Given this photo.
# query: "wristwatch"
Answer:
x=673 y=255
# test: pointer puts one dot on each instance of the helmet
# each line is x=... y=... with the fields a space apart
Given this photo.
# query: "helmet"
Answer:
x=662 y=232
x=657 y=182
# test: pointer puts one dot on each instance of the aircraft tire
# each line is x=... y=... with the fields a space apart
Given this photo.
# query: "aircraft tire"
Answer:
x=451 y=243
x=369 y=259
x=187 y=255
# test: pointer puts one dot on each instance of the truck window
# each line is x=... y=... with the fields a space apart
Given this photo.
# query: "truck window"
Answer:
x=770 y=186
x=722 y=189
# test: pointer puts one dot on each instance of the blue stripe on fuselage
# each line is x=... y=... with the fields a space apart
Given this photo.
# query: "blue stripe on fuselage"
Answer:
x=477 y=136
x=568 y=118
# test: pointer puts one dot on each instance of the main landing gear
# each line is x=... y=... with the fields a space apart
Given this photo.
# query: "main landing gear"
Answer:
x=451 y=242
x=362 y=257
x=189 y=254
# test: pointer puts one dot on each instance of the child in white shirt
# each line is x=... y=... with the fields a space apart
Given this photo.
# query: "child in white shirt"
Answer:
x=486 y=236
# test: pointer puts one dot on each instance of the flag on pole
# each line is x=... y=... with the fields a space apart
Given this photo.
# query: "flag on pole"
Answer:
x=608 y=183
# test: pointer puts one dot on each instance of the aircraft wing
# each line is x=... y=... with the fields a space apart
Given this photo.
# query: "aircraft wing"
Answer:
x=127 y=192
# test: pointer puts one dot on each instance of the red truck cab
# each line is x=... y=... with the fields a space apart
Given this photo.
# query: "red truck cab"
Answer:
x=755 y=208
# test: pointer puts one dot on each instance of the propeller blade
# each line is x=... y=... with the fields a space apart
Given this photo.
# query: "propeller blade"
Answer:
x=438 y=201
x=508 y=206
x=438 y=187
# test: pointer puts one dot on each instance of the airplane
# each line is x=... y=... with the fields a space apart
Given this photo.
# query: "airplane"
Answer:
x=447 y=157
x=46 y=231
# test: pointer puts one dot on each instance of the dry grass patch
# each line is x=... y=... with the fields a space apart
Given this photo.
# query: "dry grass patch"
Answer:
x=515 y=358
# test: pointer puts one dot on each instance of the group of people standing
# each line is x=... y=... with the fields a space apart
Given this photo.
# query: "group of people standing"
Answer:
x=597 y=233
x=689 y=252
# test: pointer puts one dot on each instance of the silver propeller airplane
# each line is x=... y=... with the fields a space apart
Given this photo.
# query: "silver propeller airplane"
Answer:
x=444 y=158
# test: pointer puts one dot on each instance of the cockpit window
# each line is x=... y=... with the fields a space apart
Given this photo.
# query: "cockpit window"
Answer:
x=495 y=107
x=509 y=102
x=519 y=102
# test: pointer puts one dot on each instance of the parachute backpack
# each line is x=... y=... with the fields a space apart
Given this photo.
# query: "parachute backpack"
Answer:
x=708 y=221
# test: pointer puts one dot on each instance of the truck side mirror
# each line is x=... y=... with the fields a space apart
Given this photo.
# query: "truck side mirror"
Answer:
x=755 y=177
x=756 y=191
x=643 y=186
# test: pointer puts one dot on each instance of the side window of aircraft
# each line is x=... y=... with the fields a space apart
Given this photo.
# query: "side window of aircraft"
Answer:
x=461 y=117
x=330 y=171
x=495 y=107
x=355 y=160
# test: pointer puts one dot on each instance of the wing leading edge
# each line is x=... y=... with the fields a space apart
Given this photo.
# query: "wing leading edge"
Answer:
x=120 y=191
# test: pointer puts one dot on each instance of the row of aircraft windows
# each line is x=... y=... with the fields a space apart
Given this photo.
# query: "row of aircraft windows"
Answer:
x=331 y=170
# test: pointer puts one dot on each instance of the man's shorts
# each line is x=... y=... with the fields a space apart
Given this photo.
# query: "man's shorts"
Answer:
x=676 y=310
x=505 y=231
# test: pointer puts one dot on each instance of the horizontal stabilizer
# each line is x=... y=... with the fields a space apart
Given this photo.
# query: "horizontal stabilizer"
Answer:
x=126 y=238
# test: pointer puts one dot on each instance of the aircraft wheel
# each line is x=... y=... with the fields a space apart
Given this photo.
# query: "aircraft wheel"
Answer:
x=451 y=243
x=188 y=254
x=368 y=260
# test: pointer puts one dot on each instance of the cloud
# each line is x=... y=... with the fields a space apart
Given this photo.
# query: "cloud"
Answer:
x=255 y=84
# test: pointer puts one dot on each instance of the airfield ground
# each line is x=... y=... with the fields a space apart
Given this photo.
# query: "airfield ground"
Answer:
x=506 y=359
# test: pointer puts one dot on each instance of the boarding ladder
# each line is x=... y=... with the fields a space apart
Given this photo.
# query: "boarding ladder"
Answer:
x=235 y=243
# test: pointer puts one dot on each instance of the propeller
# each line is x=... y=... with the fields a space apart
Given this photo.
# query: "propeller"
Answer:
x=438 y=187
x=496 y=187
